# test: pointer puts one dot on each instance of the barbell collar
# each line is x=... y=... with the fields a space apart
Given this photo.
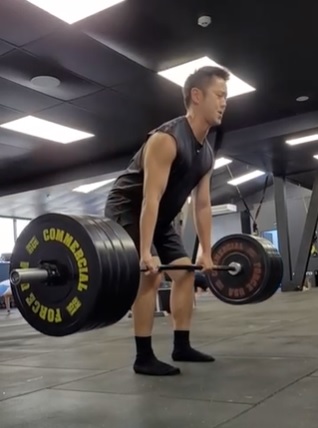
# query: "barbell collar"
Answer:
x=47 y=273
x=24 y=276
x=235 y=268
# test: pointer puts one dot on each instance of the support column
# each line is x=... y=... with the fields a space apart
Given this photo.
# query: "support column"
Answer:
x=282 y=231
x=307 y=238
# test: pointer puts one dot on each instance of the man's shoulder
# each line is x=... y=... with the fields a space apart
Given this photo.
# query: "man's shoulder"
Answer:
x=168 y=126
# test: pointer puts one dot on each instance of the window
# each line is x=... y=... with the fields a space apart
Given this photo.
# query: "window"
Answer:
x=21 y=224
x=6 y=235
x=271 y=235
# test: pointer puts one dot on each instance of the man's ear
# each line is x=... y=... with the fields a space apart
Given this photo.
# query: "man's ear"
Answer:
x=196 y=95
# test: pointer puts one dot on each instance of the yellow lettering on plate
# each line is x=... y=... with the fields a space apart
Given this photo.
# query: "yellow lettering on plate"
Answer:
x=65 y=238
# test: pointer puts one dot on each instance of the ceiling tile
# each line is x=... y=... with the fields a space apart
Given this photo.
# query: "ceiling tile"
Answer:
x=7 y=114
x=20 y=67
x=5 y=47
x=153 y=91
x=125 y=118
x=8 y=151
x=21 y=22
x=112 y=136
x=86 y=57
x=23 y=99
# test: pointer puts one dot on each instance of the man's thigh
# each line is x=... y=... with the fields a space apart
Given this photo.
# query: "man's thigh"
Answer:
x=131 y=225
x=169 y=246
x=171 y=251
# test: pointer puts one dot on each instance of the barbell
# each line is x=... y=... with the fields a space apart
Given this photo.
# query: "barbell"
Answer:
x=77 y=273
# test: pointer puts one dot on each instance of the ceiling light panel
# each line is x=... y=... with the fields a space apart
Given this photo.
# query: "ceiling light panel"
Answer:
x=246 y=177
x=72 y=11
x=40 y=128
x=179 y=74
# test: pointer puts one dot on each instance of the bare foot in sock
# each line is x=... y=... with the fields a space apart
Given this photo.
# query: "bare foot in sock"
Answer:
x=189 y=354
x=153 y=367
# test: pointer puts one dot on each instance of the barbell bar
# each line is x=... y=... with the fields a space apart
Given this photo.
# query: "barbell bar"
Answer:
x=50 y=273
x=75 y=273
x=233 y=267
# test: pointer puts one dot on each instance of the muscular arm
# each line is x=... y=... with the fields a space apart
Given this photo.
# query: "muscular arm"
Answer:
x=160 y=152
x=202 y=213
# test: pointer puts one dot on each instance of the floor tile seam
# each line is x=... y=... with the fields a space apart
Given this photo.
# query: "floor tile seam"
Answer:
x=278 y=391
x=58 y=350
x=154 y=394
x=55 y=386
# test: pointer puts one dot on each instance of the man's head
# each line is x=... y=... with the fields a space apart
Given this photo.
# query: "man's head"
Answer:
x=205 y=92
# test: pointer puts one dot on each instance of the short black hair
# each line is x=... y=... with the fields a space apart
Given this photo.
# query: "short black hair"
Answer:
x=200 y=79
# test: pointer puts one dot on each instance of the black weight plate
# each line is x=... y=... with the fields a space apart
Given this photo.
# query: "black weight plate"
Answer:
x=119 y=256
x=108 y=309
x=102 y=315
x=277 y=270
x=114 y=306
x=128 y=263
x=61 y=309
x=246 y=287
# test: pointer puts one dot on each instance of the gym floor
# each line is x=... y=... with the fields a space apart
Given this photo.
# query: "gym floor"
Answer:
x=266 y=372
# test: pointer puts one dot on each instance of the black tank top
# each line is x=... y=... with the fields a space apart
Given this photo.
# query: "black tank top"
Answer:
x=192 y=162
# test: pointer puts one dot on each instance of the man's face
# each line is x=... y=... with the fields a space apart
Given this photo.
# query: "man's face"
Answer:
x=211 y=102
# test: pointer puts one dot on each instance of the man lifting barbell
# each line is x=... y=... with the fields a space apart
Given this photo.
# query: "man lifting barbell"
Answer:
x=146 y=198
x=73 y=273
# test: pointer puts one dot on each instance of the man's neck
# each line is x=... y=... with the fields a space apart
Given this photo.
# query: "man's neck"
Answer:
x=199 y=127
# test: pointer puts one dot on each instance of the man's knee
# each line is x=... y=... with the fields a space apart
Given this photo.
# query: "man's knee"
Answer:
x=180 y=276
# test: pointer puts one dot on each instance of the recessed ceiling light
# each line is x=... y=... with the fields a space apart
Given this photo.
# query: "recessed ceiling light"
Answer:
x=246 y=177
x=221 y=162
x=316 y=156
x=302 y=98
x=302 y=140
x=46 y=82
x=73 y=11
x=87 y=188
x=40 y=128
x=179 y=74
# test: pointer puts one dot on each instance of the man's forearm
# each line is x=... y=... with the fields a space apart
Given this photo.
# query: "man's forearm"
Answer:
x=203 y=225
x=148 y=220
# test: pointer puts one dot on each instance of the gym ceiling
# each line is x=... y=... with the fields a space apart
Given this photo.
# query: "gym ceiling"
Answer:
x=108 y=85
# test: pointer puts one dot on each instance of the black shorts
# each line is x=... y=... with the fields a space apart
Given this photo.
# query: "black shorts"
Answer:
x=167 y=243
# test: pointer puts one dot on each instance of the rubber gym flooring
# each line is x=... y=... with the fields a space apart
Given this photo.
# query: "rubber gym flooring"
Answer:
x=265 y=375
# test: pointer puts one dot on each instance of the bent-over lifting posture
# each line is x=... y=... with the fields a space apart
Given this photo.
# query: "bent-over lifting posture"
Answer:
x=175 y=161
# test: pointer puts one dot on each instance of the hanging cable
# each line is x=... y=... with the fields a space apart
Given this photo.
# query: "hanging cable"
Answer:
x=254 y=219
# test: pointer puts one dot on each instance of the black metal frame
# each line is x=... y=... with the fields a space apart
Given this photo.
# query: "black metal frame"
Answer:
x=294 y=279
x=283 y=230
x=307 y=238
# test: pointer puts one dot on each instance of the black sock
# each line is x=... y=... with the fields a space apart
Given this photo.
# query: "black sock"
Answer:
x=143 y=347
x=146 y=362
x=181 y=339
x=184 y=352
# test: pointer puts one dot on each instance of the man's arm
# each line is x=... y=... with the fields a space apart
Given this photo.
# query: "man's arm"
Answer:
x=160 y=152
x=202 y=213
